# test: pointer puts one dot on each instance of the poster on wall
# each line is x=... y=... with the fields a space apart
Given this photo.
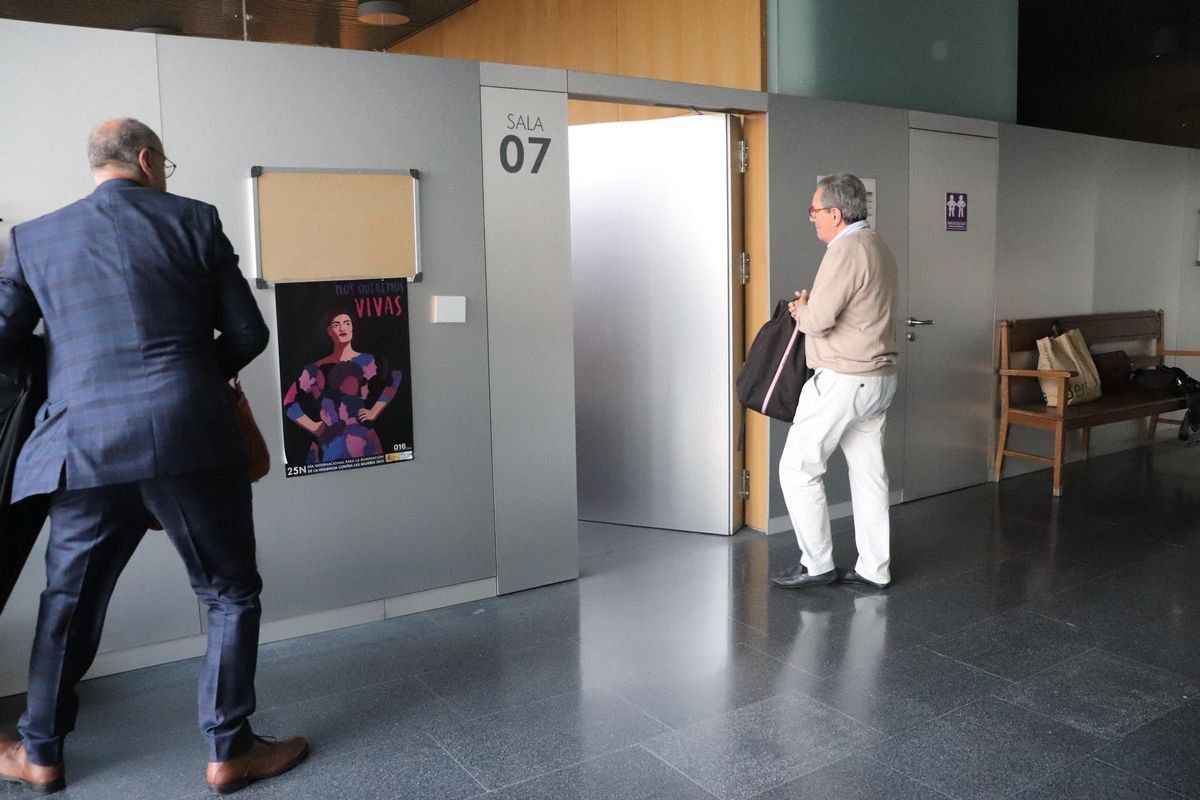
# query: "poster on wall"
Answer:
x=345 y=381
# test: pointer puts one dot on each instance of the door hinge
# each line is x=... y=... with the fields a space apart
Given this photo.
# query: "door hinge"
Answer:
x=744 y=494
x=743 y=156
x=745 y=264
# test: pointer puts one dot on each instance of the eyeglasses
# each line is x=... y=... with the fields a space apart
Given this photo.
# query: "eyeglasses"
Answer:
x=168 y=164
x=812 y=210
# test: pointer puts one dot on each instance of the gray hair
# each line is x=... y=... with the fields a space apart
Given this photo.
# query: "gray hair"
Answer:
x=846 y=192
x=117 y=143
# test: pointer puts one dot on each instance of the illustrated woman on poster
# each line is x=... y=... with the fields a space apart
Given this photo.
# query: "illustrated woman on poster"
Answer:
x=338 y=386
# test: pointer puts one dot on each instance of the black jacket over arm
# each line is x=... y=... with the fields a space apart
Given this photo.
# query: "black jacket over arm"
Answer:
x=22 y=392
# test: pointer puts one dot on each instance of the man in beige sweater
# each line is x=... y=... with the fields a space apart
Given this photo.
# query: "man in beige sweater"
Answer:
x=849 y=342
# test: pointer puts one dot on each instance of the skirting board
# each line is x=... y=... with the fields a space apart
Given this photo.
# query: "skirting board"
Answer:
x=374 y=611
x=783 y=524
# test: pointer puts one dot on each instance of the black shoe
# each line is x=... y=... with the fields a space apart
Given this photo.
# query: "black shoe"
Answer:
x=850 y=576
x=797 y=577
x=791 y=572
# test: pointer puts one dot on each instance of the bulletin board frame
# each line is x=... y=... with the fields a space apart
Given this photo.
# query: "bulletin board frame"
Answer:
x=332 y=224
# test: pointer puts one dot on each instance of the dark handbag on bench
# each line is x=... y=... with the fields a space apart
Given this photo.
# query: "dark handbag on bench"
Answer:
x=1115 y=370
x=1174 y=380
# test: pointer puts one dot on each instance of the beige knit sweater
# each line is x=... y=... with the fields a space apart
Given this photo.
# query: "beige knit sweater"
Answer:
x=847 y=322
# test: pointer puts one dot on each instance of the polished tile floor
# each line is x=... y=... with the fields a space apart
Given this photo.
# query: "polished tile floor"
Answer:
x=1027 y=649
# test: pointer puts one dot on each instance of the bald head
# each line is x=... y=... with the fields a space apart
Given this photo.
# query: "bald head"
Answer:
x=126 y=148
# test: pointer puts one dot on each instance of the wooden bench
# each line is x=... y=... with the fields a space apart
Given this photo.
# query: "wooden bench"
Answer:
x=1140 y=328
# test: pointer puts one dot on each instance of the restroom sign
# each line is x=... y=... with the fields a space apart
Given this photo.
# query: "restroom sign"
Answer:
x=956 y=211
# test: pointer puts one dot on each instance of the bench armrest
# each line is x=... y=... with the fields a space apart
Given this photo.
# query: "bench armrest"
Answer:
x=1038 y=373
x=1181 y=352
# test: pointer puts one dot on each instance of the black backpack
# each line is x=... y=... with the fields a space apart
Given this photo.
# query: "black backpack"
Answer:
x=1175 y=380
x=770 y=380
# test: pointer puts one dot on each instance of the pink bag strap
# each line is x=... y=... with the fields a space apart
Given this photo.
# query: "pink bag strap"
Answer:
x=779 y=370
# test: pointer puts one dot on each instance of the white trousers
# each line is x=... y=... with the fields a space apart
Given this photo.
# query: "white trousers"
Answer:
x=845 y=410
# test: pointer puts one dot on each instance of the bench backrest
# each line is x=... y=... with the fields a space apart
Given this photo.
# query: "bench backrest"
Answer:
x=1020 y=335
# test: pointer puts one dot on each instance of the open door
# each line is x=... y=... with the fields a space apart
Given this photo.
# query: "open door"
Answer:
x=658 y=329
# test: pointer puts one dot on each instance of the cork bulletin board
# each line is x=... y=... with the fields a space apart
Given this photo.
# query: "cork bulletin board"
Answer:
x=329 y=225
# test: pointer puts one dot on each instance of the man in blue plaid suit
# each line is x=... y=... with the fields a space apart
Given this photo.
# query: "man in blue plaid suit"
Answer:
x=132 y=283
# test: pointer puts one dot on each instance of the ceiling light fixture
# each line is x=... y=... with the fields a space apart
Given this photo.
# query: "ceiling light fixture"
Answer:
x=381 y=12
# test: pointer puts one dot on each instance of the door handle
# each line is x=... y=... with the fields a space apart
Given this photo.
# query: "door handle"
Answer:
x=912 y=322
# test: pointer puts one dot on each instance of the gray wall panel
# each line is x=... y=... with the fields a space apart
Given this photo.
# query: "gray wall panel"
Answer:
x=48 y=109
x=334 y=540
x=1046 y=235
x=1138 y=245
x=1138 y=242
x=532 y=359
x=818 y=137
x=513 y=76
x=649 y=91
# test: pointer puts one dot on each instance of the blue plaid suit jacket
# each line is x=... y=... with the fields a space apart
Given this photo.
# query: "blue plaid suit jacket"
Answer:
x=132 y=284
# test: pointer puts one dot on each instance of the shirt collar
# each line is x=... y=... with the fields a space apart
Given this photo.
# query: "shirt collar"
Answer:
x=853 y=227
x=118 y=183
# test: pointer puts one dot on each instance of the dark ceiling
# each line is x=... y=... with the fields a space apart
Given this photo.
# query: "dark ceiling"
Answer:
x=1123 y=68
x=327 y=23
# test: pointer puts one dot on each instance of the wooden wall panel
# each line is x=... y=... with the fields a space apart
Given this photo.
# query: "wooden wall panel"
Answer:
x=758 y=311
x=714 y=42
x=564 y=34
x=631 y=113
x=429 y=42
x=584 y=112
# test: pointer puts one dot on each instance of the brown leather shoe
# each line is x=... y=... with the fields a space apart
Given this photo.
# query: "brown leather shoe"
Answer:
x=15 y=767
x=264 y=759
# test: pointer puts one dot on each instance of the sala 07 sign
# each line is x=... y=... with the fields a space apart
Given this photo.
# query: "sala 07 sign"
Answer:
x=512 y=148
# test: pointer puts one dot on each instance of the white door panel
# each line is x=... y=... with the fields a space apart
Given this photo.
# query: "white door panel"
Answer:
x=650 y=240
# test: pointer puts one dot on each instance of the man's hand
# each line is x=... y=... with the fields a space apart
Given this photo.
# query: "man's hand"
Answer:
x=369 y=414
x=801 y=300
